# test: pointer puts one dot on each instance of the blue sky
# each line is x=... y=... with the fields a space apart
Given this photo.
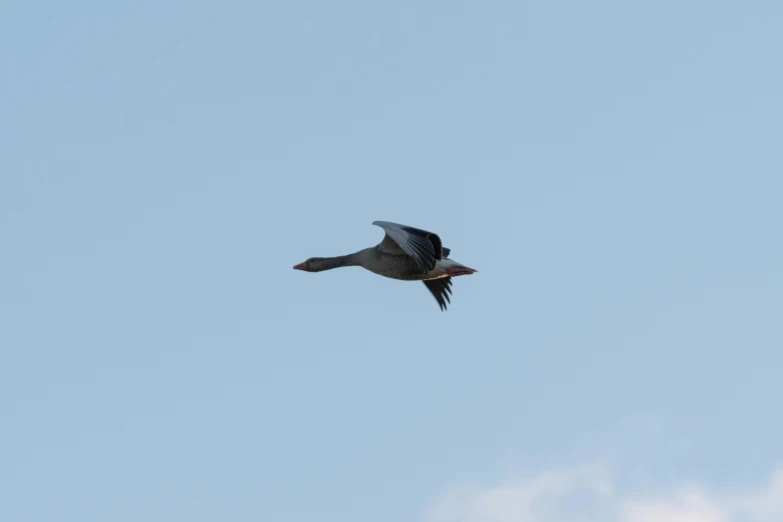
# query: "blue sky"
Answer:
x=613 y=170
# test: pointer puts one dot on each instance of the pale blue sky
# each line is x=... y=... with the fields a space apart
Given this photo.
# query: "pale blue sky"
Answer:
x=613 y=169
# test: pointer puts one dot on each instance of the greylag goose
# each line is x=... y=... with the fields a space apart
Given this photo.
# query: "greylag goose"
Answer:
x=406 y=253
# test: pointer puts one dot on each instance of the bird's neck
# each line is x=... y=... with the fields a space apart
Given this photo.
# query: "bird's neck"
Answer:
x=328 y=263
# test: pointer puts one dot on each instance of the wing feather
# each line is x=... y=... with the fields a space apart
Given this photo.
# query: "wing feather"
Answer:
x=440 y=288
x=425 y=248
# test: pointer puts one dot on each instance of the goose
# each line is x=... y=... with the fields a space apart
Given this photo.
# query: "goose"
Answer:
x=405 y=253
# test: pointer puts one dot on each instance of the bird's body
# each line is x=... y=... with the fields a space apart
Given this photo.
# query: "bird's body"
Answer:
x=402 y=266
x=407 y=254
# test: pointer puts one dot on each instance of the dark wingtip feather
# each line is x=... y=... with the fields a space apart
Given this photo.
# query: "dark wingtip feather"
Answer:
x=437 y=244
x=440 y=289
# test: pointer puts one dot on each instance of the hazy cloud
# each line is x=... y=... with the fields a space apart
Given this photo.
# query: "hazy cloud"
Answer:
x=590 y=494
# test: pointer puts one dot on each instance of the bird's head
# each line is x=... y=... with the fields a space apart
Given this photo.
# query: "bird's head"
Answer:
x=314 y=264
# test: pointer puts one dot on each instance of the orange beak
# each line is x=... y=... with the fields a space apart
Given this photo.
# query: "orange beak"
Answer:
x=301 y=266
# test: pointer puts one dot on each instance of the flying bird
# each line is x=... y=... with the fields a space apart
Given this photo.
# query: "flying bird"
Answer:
x=406 y=253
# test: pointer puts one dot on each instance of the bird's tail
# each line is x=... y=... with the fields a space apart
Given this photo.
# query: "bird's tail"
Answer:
x=453 y=269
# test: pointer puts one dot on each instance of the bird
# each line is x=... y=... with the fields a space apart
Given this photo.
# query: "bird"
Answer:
x=405 y=253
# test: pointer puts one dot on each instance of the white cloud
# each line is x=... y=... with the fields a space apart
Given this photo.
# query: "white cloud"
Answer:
x=764 y=505
x=589 y=494
x=687 y=505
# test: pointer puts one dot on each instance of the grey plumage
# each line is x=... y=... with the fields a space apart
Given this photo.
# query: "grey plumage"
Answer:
x=405 y=253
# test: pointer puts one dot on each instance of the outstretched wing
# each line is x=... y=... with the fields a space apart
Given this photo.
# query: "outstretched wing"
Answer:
x=425 y=248
x=440 y=288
